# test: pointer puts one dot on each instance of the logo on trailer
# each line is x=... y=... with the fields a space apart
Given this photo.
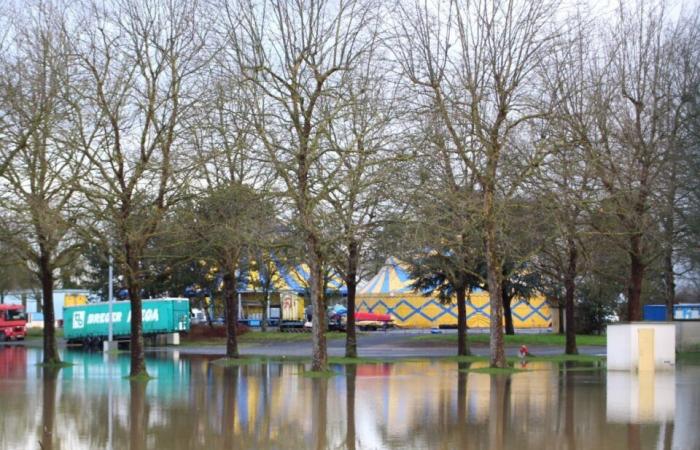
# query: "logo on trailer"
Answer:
x=79 y=319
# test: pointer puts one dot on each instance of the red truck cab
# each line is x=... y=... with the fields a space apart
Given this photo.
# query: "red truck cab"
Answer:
x=13 y=322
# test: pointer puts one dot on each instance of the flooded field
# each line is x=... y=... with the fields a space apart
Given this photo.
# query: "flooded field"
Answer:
x=195 y=404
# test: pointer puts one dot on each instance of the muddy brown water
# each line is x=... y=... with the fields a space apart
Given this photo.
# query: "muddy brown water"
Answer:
x=195 y=404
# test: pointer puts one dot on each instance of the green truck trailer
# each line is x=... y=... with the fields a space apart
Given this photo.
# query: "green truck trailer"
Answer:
x=86 y=324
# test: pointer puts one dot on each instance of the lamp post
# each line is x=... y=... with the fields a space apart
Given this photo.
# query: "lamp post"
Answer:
x=110 y=299
x=109 y=344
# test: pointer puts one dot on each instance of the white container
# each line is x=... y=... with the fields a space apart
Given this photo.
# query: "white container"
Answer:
x=641 y=346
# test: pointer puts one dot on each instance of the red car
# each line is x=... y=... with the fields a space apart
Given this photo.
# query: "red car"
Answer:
x=13 y=322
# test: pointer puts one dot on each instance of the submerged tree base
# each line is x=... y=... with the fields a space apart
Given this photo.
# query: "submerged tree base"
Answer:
x=55 y=365
x=139 y=377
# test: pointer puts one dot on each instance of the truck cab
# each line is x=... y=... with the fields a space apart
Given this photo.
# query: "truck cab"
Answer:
x=13 y=322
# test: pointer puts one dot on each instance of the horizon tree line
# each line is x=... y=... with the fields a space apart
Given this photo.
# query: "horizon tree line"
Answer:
x=481 y=141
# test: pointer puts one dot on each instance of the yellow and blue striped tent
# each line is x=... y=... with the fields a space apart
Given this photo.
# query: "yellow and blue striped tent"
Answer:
x=288 y=278
x=390 y=291
x=393 y=277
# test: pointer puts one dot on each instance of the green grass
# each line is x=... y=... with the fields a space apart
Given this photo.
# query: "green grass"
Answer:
x=39 y=332
x=276 y=336
x=688 y=357
x=461 y=359
x=359 y=360
x=517 y=339
x=185 y=342
x=259 y=337
x=241 y=361
x=495 y=370
x=59 y=365
x=583 y=369
x=565 y=358
x=143 y=378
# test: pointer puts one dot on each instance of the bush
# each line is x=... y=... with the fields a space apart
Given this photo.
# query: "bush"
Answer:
x=204 y=331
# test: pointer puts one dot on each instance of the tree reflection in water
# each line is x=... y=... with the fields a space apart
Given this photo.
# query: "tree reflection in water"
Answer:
x=350 y=382
x=195 y=404
x=319 y=412
x=230 y=398
x=48 y=407
x=138 y=414
x=498 y=405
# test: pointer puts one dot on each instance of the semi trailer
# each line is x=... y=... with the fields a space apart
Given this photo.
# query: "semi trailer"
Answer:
x=89 y=324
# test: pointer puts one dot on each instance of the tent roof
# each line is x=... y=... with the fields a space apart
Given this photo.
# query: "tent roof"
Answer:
x=393 y=277
x=293 y=278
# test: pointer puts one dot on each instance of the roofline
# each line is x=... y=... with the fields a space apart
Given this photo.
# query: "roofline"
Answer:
x=56 y=291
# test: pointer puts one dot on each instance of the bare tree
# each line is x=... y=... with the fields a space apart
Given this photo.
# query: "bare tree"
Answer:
x=364 y=138
x=138 y=61
x=636 y=114
x=296 y=55
x=39 y=185
x=565 y=180
x=474 y=61
x=232 y=214
x=227 y=221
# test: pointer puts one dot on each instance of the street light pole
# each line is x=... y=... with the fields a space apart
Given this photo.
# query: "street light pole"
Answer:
x=110 y=299
x=109 y=344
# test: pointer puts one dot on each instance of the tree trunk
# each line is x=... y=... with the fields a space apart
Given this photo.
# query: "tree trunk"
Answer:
x=231 y=310
x=570 y=287
x=50 y=348
x=318 y=321
x=351 y=283
x=670 y=284
x=507 y=312
x=669 y=233
x=138 y=360
x=462 y=343
x=207 y=311
x=266 y=305
x=634 y=297
x=560 y=313
x=494 y=267
x=497 y=354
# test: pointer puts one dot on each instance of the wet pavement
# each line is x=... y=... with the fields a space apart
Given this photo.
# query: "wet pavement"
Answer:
x=194 y=403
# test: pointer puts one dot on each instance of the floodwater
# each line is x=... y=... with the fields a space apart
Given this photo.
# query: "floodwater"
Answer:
x=195 y=404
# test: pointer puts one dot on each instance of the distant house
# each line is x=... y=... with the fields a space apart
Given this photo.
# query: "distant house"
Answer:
x=31 y=299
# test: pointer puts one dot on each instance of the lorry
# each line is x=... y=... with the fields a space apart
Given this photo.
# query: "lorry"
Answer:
x=13 y=322
x=89 y=324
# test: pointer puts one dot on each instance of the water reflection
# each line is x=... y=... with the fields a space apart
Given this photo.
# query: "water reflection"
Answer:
x=421 y=404
x=644 y=397
x=48 y=407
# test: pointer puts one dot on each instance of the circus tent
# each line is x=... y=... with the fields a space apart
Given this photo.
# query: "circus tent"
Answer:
x=390 y=291
x=293 y=278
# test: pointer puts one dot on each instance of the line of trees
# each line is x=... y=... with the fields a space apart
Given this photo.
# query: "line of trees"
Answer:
x=509 y=145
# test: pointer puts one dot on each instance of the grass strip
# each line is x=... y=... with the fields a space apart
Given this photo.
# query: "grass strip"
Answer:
x=691 y=357
x=495 y=370
x=58 y=365
x=517 y=339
